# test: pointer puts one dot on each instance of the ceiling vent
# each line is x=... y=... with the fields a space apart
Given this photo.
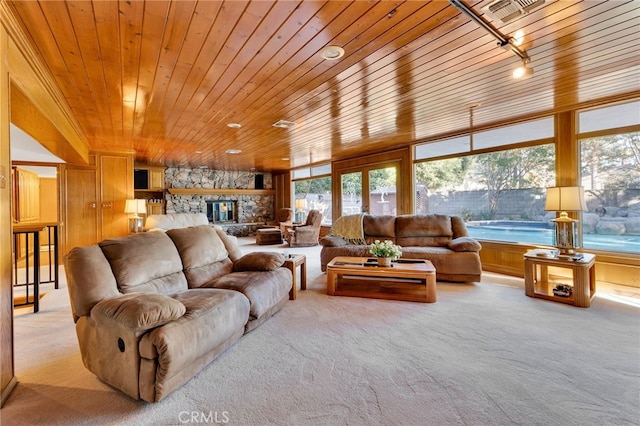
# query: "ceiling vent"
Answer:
x=508 y=10
x=284 y=124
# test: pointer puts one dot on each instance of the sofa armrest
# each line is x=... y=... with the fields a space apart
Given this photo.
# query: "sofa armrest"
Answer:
x=138 y=311
x=332 y=241
x=464 y=244
x=258 y=261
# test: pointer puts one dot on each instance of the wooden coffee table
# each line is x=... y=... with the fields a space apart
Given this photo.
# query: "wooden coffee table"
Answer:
x=412 y=279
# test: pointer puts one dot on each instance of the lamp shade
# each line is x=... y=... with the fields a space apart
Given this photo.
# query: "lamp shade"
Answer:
x=565 y=199
x=301 y=204
x=135 y=207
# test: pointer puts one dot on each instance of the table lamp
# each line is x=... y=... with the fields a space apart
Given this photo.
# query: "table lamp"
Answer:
x=136 y=208
x=301 y=204
x=565 y=199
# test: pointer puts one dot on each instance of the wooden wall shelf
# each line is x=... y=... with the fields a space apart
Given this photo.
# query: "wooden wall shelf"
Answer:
x=219 y=191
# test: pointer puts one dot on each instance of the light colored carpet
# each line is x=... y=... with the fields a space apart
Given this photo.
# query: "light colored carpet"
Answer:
x=484 y=354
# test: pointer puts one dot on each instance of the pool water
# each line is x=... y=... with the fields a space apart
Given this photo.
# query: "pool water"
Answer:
x=517 y=233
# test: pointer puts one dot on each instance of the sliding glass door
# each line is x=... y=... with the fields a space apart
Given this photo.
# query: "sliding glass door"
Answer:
x=370 y=189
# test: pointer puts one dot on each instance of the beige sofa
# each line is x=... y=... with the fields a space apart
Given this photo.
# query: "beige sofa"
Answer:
x=164 y=222
x=152 y=309
x=441 y=239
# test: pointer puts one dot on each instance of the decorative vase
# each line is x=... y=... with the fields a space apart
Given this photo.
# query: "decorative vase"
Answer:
x=384 y=261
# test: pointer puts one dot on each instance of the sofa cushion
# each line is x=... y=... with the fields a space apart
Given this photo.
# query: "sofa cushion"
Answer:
x=204 y=255
x=214 y=319
x=458 y=227
x=423 y=230
x=258 y=261
x=464 y=244
x=198 y=245
x=139 y=311
x=332 y=241
x=447 y=262
x=264 y=289
x=147 y=262
x=230 y=243
x=379 y=228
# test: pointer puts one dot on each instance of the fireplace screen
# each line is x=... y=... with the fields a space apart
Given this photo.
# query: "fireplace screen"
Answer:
x=221 y=211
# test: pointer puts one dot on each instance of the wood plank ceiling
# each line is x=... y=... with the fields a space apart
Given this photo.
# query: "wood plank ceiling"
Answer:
x=164 y=78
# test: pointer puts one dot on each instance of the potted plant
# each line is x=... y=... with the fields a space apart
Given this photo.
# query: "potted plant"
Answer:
x=385 y=252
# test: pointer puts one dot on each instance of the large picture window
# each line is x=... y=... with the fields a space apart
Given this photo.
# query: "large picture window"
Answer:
x=500 y=194
x=610 y=175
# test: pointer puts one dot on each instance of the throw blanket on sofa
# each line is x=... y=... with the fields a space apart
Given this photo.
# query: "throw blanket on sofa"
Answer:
x=349 y=228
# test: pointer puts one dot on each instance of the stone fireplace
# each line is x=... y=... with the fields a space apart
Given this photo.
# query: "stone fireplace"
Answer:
x=229 y=198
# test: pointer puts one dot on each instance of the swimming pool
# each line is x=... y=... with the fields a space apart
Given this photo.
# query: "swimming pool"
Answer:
x=542 y=233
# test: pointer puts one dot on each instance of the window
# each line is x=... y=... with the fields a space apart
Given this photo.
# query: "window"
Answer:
x=610 y=175
x=312 y=191
x=500 y=194
x=541 y=129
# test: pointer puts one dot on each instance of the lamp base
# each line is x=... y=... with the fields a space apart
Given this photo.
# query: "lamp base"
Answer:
x=135 y=225
x=565 y=237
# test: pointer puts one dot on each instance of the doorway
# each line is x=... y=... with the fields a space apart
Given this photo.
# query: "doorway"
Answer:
x=371 y=189
x=376 y=184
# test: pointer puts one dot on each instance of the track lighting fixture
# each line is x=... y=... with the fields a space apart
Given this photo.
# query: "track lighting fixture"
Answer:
x=523 y=71
x=507 y=43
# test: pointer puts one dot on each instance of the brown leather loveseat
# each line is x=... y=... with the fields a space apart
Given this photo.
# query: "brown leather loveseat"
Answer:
x=441 y=239
x=153 y=309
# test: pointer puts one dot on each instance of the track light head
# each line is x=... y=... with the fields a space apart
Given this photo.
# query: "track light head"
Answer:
x=523 y=71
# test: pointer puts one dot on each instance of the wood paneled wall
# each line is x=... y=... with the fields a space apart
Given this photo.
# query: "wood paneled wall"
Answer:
x=21 y=69
x=7 y=375
x=283 y=187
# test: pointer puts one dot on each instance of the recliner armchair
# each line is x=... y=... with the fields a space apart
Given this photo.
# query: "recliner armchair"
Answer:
x=283 y=219
x=306 y=235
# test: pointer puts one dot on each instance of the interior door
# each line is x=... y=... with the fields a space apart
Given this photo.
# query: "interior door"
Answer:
x=371 y=189
x=81 y=208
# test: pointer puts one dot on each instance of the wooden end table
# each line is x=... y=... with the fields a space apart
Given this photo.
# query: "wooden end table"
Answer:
x=537 y=284
x=291 y=262
x=413 y=281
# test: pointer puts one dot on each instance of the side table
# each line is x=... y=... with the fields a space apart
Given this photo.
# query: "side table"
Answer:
x=291 y=262
x=536 y=277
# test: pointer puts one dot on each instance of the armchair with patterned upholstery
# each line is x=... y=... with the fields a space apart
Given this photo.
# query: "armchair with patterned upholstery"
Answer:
x=306 y=235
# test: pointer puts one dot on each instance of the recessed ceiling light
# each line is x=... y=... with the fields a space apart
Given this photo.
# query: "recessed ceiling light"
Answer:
x=285 y=158
x=332 y=53
x=198 y=152
x=233 y=151
x=234 y=125
x=284 y=124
